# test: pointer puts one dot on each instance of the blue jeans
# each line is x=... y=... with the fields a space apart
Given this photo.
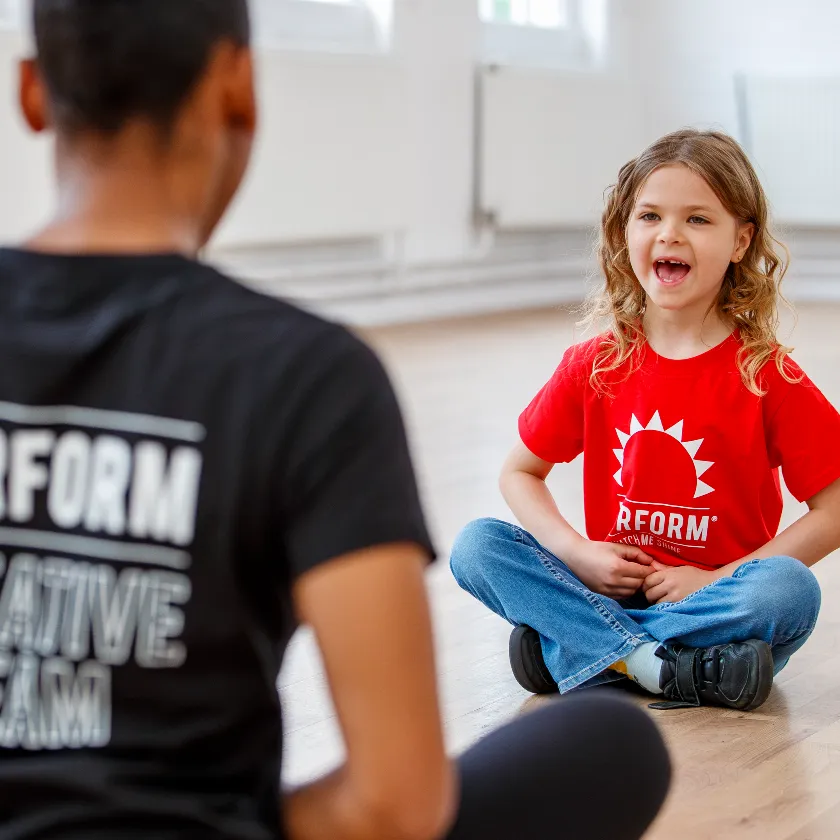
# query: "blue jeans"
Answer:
x=776 y=600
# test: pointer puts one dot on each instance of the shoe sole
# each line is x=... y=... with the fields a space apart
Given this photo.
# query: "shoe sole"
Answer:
x=764 y=680
x=524 y=648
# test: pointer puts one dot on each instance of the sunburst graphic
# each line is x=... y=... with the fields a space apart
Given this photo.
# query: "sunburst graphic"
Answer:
x=676 y=432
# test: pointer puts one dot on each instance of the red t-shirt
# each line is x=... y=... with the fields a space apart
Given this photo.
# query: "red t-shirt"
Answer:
x=683 y=460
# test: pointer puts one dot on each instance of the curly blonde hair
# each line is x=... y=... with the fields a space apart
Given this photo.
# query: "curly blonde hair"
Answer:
x=750 y=292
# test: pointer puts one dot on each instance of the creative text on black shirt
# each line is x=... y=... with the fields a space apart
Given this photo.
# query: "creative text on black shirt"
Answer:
x=97 y=515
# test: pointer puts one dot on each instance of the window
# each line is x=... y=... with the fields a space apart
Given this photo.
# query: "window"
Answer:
x=11 y=14
x=548 y=34
x=322 y=25
x=545 y=14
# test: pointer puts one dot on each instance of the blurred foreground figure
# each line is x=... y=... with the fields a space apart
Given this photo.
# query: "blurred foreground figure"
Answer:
x=190 y=470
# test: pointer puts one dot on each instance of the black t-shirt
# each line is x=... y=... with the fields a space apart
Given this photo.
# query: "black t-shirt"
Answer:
x=174 y=451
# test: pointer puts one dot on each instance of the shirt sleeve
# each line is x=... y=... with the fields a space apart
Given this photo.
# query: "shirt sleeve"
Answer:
x=803 y=435
x=552 y=424
x=346 y=481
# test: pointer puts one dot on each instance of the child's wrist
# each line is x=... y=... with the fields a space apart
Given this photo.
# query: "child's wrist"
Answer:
x=726 y=571
x=572 y=550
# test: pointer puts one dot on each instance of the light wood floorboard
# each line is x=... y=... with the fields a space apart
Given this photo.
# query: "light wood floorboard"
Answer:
x=773 y=774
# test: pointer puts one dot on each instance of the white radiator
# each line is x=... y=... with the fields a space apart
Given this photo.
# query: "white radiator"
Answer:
x=330 y=162
x=549 y=144
x=791 y=127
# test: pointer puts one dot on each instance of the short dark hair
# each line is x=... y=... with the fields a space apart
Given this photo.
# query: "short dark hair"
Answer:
x=105 y=62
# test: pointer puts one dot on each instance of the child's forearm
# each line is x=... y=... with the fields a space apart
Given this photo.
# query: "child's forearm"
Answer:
x=533 y=505
x=809 y=539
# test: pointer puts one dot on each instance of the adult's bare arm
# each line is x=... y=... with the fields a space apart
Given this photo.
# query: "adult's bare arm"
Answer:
x=370 y=615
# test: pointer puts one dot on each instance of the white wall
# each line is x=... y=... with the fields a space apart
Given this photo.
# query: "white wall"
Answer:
x=436 y=41
x=671 y=61
x=435 y=49
x=686 y=53
x=25 y=161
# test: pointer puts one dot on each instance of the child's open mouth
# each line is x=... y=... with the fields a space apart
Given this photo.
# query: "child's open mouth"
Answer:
x=671 y=270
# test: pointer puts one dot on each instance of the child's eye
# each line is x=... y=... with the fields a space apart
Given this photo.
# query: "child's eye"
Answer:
x=698 y=220
x=649 y=217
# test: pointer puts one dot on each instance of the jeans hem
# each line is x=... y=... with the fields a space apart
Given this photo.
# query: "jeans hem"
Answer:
x=631 y=640
x=586 y=674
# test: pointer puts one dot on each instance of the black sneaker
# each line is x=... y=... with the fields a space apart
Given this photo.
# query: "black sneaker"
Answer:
x=737 y=675
x=527 y=663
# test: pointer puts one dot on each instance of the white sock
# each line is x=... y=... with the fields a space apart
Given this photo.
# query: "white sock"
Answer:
x=642 y=666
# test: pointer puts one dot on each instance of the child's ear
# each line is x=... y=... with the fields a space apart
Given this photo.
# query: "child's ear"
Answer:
x=746 y=231
x=33 y=96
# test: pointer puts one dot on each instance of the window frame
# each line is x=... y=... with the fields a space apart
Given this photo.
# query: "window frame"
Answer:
x=566 y=7
x=568 y=47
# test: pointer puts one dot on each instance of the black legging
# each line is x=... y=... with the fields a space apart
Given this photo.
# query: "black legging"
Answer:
x=586 y=767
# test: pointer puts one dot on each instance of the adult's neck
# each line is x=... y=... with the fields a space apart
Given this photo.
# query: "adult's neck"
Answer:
x=120 y=195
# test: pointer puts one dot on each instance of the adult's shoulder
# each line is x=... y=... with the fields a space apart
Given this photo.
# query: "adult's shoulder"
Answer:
x=218 y=297
x=223 y=315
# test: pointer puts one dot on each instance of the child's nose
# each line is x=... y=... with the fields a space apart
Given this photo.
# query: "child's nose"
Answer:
x=669 y=232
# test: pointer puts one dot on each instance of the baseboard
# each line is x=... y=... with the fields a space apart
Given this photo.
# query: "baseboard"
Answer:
x=356 y=284
x=419 y=304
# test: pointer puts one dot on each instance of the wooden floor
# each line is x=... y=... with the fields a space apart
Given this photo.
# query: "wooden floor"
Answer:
x=773 y=774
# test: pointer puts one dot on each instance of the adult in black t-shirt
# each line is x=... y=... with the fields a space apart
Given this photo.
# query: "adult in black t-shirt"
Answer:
x=188 y=470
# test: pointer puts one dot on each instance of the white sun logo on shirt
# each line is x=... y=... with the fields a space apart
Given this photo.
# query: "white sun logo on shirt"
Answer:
x=676 y=432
